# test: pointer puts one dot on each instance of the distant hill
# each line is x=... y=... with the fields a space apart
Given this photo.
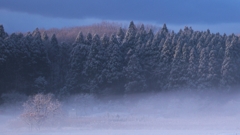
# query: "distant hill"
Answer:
x=69 y=34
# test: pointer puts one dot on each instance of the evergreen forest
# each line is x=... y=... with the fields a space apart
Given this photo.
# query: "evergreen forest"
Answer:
x=132 y=60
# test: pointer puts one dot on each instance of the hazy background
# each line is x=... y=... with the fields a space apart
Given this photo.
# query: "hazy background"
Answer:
x=216 y=15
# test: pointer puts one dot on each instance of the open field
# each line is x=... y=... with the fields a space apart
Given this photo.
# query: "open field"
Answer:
x=162 y=114
x=129 y=125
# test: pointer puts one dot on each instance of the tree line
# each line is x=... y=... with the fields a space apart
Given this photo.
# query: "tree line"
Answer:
x=128 y=61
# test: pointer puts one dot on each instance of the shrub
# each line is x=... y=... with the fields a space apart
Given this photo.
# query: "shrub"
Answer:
x=40 y=109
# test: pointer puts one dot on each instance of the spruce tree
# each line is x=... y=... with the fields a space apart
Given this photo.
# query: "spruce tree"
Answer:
x=79 y=39
x=64 y=63
x=54 y=57
x=120 y=35
x=40 y=63
x=164 y=66
x=192 y=68
x=45 y=36
x=140 y=36
x=94 y=65
x=75 y=79
x=3 y=34
x=176 y=68
x=3 y=60
x=113 y=72
x=214 y=68
x=203 y=69
x=231 y=65
x=88 y=40
x=134 y=76
x=129 y=40
x=149 y=37
x=53 y=50
x=104 y=41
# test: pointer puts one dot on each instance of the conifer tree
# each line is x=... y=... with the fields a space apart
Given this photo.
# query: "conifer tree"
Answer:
x=192 y=68
x=129 y=40
x=53 y=51
x=120 y=35
x=164 y=66
x=203 y=69
x=40 y=63
x=164 y=31
x=79 y=39
x=76 y=80
x=3 y=60
x=230 y=65
x=157 y=39
x=88 y=40
x=64 y=63
x=140 y=36
x=45 y=36
x=214 y=68
x=54 y=57
x=134 y=75
x=3 y=34
x=149 y=37
x=94 y=65
x=176 y=68
x=113 y=72
x=104 y=41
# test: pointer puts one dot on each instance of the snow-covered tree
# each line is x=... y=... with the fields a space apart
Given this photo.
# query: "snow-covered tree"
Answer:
x=79 y=39
x=141 y=36
x=95 y=63
x=113 y=72
x=53 y=50
x=231 y=65
x=176 y=73
x=44 y=36
x=3 y=34
x=164 y=66
x=105 y=41
x=134 y=75
x=88 y=40
x=64 y=64
x=214 y=75
x=76 y=81
x=149 y=37
x=203 y=69
x=192 y=68
x=129 y=40
x=120 y=35
x=40 y=109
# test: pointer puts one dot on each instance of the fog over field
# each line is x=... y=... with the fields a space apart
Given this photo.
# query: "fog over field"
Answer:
x=166 y=113
x=114 y=67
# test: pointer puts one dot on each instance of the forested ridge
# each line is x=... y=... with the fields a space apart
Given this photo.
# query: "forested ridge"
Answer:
x=128 y=61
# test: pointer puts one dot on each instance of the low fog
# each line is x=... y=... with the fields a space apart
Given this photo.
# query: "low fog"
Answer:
x=165 y=113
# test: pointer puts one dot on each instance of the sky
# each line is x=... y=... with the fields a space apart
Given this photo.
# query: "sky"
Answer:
x=26 y=15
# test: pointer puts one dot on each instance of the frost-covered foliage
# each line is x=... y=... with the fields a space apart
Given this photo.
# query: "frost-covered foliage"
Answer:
x=40 y=109
x=128 y=61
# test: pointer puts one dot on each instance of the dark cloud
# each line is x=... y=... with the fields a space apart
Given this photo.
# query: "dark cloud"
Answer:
x=159 y=11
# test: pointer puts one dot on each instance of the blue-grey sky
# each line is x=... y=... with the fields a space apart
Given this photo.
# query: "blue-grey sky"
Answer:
x=25 y=15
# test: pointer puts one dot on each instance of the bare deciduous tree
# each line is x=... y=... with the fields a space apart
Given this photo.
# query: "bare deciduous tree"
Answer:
x=40 y=109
